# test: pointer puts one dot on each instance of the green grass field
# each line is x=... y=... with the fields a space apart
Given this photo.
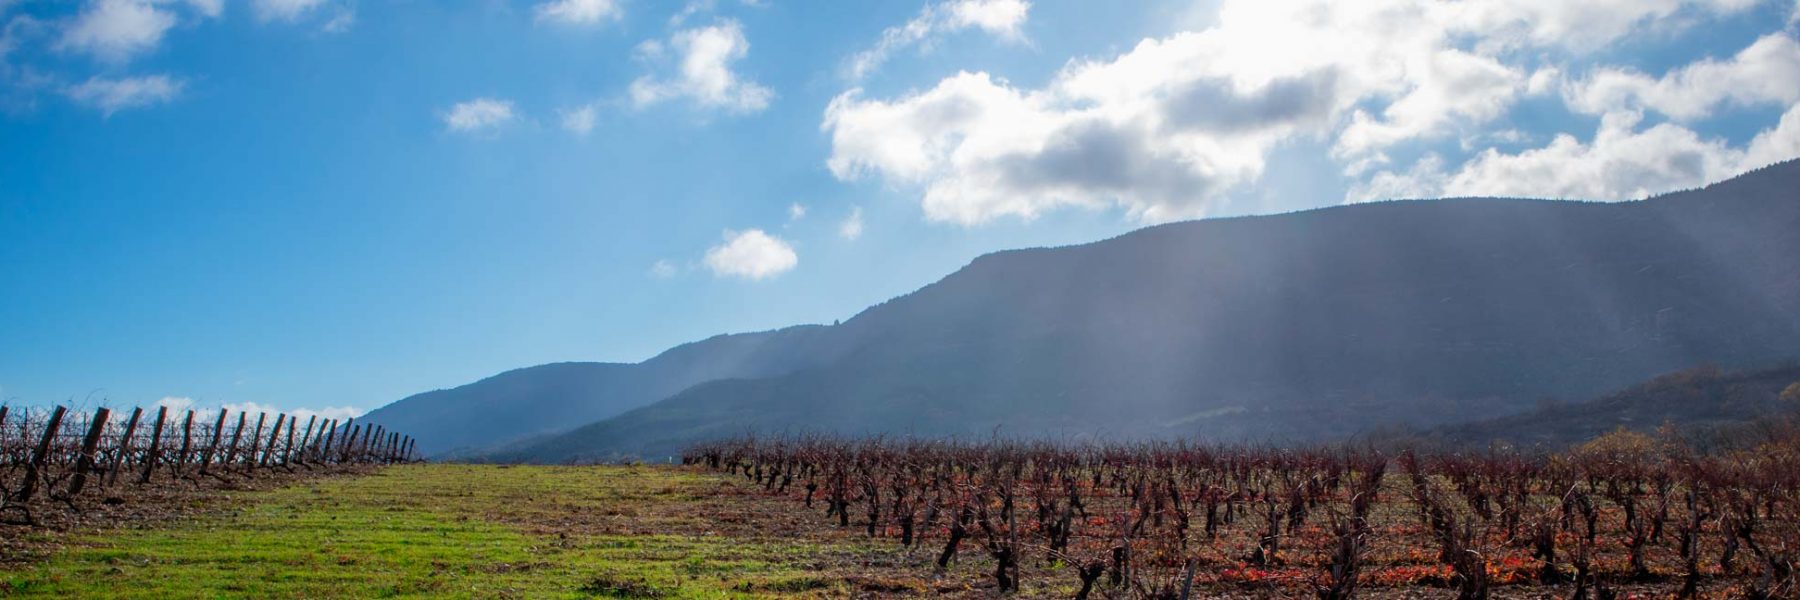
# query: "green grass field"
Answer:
x=479 y=531
x=459 y=531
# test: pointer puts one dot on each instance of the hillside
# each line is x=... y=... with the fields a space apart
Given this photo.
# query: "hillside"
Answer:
x=1698 y=399
x=548 y=399
x=1300 y=326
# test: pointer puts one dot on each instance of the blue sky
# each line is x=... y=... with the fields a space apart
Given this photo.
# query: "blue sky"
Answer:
x=330 y=203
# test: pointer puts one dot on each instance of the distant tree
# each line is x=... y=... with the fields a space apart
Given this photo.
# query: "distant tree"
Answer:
x=1790 y=397
x=1621 y=446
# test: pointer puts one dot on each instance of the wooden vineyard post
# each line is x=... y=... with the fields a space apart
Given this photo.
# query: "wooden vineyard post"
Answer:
x=154 y=452
x=187 y=444
x=287 y=450
x=255 y=442
x=89 y=446
x=218 y=434
x=349 y=442
x=325 y=450
x=306 y=440
x=29 y=486
x=274 y=436
x=367 y=442
x=372 y=444
x=118 y=461
x=231 y=451
x=281 y=458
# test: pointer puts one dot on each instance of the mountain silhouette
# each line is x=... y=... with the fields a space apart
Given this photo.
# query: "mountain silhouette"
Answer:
x=1298 y=327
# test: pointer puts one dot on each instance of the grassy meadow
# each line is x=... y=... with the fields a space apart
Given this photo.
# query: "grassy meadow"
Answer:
x=457 y=531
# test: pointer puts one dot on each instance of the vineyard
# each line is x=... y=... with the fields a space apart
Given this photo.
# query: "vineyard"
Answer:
x=1625 y=514
x=55 y=463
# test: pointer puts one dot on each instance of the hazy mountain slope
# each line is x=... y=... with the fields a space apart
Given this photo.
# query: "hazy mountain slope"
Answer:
x=1293 y=326
x=551 y=398
x=1699 y=398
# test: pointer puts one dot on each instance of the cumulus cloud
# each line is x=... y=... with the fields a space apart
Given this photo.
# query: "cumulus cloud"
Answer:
x=703 y=59
x=1001 y=18
x=1766 y=72
x=181 y=404
x=852 y=226
x=580 y=120
x=796 y=211
x=116 y=30
x=112 y=95
x=284 y=10
x=984 y=149
x=481 y=115
x=1777 y=144
x=662 y=269
x=1167 y=128
x=751 y=254
x=578 y=12
x=1579 y=26
x=1623 y=161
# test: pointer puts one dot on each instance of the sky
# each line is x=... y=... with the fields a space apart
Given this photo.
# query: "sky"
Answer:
x=327 y=205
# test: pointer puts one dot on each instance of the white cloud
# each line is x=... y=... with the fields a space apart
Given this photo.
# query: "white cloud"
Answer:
x=704 y=74
x=300 y=414
x=16 y=30
x=251 y=409
x=1621 y=162
x=207 y=8
x=662 y=269
x=342 y=22
x=1450 y=86
x=1001 y=18
x=1579 y=26
x=284 y=10
x=175 y=404
x=1167 y=128
x=690 y=10
x=116 y=30
x=796 y=211
x=1777 y=144
x=1766 y=72
x=852 y=226
x=113 y=95
x=983 y=149
x=481 y=115
x=578 y=12
x=340 y=413
x=1543 y=81
x=751 y=254
x=579 y=120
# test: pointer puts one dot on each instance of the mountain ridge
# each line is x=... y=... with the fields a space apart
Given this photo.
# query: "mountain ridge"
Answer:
x=1029 y=338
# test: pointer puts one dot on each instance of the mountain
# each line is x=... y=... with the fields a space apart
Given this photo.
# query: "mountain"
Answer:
x=1294 y=327
x=548 y=399
x=1699 y=399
